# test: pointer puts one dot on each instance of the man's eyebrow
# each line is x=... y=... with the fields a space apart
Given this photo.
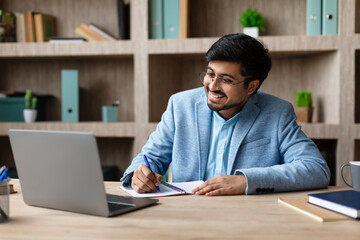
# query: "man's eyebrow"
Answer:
x=222 y=74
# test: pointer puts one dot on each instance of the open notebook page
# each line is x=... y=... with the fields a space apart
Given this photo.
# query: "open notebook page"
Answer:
x=186 y=188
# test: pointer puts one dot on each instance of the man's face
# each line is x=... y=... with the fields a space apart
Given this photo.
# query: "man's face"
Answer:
x=223 y=96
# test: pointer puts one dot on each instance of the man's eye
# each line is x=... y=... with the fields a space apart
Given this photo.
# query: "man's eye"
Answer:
x=226 y=80
x=212 y=75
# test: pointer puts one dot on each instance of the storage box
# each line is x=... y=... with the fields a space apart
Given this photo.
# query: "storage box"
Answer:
x=110 y=113
x=11 y=109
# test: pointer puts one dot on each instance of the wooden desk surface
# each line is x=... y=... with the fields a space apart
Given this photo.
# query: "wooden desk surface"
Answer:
x=180 y=217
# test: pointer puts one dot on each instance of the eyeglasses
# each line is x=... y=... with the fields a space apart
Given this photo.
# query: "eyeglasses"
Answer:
x=207 y=76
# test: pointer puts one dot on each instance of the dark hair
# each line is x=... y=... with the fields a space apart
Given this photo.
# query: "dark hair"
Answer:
x=241 y=48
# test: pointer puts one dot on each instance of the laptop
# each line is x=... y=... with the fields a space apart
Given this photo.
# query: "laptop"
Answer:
x=61 y=170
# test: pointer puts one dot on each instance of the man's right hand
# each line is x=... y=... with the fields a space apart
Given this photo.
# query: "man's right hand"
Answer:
x=144 y=181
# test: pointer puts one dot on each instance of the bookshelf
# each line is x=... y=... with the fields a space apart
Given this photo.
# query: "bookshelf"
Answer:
x=142 y=73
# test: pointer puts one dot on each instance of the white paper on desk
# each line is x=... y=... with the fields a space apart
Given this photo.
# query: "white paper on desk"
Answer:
x=166 y=191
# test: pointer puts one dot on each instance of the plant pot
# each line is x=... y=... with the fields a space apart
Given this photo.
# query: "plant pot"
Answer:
x=251 y=31
x=304 y=114
x=30 y=115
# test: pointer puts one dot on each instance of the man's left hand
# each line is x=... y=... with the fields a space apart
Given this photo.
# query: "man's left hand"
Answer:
x=222 y=185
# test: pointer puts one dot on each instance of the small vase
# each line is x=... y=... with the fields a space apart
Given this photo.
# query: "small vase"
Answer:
x=304 y=114
x=252 y=31
x=30 y=115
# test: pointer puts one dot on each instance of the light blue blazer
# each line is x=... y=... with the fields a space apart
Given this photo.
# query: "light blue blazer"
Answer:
x=267 y=145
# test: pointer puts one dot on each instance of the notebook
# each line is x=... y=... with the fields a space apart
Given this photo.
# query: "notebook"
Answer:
x=317 y=213
x=166 y=189
x=344 y=202
x=61 y=170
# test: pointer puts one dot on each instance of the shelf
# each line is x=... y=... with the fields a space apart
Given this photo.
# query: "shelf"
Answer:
x=100 y=129
x=288 y=45
x=212 y=18
x=86 y=49
x=101 y=82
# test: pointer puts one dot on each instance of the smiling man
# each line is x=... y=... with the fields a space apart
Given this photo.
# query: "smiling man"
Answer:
x=237 y=139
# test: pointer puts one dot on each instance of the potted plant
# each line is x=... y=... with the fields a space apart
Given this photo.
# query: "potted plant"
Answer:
x=304 y=109
x=252 y=21
x=30 y=111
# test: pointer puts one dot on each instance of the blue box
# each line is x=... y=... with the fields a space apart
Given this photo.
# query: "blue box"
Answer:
x=110 y=113
x=11 y=108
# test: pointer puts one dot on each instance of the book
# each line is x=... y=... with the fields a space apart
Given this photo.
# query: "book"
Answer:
x=30 y=26
x=84 y=31
x=320 y=214
x=156 y=19
x=19 y=27
x=101 y=32
x=45 y=27
x=167 y=189
x=7 y=26
x=184 y=19
x=344 y=202
x=123 y=7
x=171 y=19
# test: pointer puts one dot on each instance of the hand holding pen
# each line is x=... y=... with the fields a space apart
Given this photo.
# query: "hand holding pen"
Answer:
x=144 y=179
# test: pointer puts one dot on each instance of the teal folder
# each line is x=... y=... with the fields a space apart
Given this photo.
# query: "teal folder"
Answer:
x=171 y=19
x=156 y=19
x=313 y=17
x=329 y=17
x=70 y=95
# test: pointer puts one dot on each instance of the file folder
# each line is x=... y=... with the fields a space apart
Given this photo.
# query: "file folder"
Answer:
x=171 y=19
x=70 y=95
x=313 y=17
x=156 y=19
x=329 y=17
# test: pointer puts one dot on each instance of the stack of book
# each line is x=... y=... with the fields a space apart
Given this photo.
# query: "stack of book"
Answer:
x=169 y=19
x=34 y=27
x=93 y=33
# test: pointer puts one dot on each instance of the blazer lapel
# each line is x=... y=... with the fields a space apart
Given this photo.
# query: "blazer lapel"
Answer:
x=247 y=117
x=203 y=119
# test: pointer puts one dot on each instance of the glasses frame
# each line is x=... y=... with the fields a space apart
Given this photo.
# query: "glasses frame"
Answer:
x=222 y=81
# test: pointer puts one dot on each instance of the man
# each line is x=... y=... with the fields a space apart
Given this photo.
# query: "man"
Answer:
x=236 y=139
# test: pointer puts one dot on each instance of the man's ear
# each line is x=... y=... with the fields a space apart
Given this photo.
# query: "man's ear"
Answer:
x=253 y=85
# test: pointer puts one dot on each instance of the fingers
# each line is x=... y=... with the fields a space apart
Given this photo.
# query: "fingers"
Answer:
x=222 y=185
x=144 y=180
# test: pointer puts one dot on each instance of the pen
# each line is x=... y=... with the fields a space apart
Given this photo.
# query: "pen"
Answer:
x=148 y=165
x=3 y=175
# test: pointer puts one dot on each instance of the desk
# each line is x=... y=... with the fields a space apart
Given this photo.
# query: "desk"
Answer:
x=180 y=217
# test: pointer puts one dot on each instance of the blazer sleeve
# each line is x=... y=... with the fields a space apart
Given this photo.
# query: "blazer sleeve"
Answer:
x=301 y=165
x=158 y=148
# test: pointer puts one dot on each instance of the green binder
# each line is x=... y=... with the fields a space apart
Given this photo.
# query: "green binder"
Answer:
x=313 y=17
x=70 y=95
x=330 y=17
x=171 y=19
x=156 y=19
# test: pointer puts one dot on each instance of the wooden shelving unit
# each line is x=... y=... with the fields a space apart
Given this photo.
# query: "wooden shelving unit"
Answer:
x=142 y=73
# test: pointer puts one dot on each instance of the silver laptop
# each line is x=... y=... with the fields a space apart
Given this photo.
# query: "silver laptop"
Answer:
x=61 y=170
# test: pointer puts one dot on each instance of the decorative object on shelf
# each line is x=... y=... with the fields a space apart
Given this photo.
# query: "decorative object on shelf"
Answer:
x=304 y=109
x=110 y=113
x=7 y=26
x=30 y=111
x=252 y=21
